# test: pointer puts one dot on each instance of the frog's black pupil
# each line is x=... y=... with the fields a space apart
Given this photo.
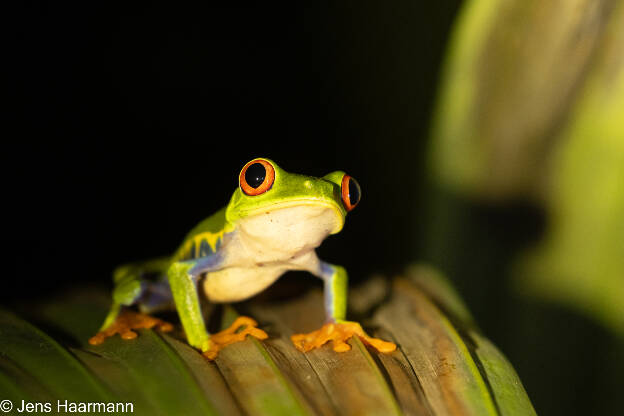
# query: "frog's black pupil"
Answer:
x=255 y=174
x=354 y=192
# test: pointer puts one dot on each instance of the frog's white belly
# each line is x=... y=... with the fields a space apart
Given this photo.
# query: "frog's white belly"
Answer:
x=265 y=246
x=239 y=283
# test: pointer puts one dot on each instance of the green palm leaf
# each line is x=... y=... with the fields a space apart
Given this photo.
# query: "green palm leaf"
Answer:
x=443 y=365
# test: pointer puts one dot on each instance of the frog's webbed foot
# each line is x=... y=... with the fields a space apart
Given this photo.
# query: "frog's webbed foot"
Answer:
x=239 y=329
x=339 y=333
x=125 y=324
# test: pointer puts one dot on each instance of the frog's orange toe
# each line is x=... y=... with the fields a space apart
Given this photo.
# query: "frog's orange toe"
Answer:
x=128 y=335
x=339 y=334
x=212 y=353
x=237 y=332
x=97 y=339
x=164 y=326
x=126 y=323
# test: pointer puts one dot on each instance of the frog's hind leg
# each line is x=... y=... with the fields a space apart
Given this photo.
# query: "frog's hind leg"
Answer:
x=126 y=293
x=125 y=324
x=131 y=288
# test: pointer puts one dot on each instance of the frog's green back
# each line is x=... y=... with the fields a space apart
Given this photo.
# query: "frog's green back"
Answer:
x=204 y=238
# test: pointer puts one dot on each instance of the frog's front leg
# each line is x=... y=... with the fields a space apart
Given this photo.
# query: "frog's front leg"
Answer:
x=336 y=329
x=183 y=278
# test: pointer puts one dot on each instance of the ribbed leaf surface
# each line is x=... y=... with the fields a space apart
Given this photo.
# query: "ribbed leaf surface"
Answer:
x=443 y=365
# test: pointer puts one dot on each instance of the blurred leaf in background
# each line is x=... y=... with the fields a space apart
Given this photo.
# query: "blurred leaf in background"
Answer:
x=526 y=200
x=532 y=105
x=581 y=260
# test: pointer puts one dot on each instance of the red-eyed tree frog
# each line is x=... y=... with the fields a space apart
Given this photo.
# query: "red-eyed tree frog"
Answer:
x=273 y=223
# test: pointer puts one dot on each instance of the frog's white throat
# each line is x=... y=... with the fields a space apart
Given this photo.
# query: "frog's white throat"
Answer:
x=282 y=233
x=266 y=245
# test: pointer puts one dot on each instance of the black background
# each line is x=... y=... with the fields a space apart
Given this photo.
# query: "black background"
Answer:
x=130 y=122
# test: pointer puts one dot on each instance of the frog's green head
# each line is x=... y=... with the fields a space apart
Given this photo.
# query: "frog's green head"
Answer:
x=280 y=203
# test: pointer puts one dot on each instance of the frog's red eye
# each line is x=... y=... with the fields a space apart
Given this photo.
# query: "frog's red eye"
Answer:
x=256 y=177
x=351 y=192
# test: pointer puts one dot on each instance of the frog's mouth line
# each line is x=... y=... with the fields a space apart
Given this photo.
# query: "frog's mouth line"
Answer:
x=298 y=203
